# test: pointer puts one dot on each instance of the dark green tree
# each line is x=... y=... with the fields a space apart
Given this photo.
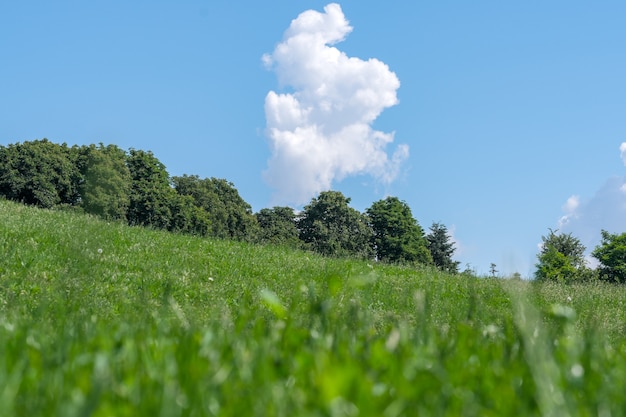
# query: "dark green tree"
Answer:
x=106 y=187
x=328 y=225
x=278 y=226
x=397 y=236
x=441 y=248
x=231 y=217
x=40 y=173
x=562 y=258
x=186 y=217
x=151 y=193
x=611 y=253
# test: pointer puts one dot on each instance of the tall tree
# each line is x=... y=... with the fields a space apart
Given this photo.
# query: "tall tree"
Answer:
x=106 y=188
x=240 y=221
x=562 y=258
x=441 y=248
x=186 y=217
x=40 y=173
x=151 y=192
x=611 y=253
x=278 y=226
x=328 y=225
x=397 y=236
x=231 y=217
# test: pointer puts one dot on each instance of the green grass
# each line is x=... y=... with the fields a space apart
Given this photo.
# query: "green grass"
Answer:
x=107 y=320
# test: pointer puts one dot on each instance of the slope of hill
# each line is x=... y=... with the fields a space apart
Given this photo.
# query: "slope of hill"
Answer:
x=104 y=319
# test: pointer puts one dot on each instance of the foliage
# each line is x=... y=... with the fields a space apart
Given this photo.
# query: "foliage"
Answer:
x=151 y=193
x=105 y=190
x=230 y=216
x=107 y=320
x=441 y=248
x=187 y=217
x=330 y=227
x=39 y=173
x=561 y=259
x=278 y=226
x=611 y=253
x=398 y=237
x=115 y=185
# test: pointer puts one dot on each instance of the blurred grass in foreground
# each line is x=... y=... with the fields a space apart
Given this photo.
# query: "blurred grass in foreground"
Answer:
x=107 y=320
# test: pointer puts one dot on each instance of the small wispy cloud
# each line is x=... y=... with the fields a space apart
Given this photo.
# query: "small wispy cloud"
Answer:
x=571 y=204
x=569 y=208
x=321 y=130
x=622 y=150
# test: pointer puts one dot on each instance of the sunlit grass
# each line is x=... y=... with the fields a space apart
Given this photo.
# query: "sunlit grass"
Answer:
x=107 y=320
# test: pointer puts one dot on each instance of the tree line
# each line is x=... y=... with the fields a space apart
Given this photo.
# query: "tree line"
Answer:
x=134 y=187
x=562 y=258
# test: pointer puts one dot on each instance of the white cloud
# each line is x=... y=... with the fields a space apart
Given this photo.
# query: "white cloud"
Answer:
x=322 y=132
x=605 y=210
x=622 y=150
x=459 y=248
x=570 y=207
x=571 y=204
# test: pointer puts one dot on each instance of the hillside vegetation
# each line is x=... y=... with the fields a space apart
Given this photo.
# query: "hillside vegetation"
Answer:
x=134 y=187
x=104 y=319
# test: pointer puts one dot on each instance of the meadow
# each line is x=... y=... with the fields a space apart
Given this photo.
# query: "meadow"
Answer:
x=102 y=319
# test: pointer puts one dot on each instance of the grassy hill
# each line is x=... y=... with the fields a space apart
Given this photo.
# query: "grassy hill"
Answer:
x=107 y=320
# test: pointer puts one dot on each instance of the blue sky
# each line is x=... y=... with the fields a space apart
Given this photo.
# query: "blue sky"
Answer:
x=506 y=119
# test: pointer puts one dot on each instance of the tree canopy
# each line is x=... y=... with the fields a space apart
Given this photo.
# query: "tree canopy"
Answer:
x=611 y=253
x=150 y=192
x=39 y=173
x=278 y=226
x=230 y=216
x=562 y=258
x=329 y=226
x=106 y=185
x=397 y=236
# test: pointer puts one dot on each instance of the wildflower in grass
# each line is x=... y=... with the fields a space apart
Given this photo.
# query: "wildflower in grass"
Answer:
x=577 y=370
x=569 y=299
x=392 y=341
x=211 y=279
x=490 y=330
x=100 y=251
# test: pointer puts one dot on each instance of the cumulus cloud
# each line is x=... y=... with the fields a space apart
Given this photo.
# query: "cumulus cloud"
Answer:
x=605 y=210
x=320 y=129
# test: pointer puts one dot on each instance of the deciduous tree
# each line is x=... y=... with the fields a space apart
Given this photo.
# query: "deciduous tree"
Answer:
x=150 y=195
x=397 y=236
x=106 y=188
x=40 y=173
x=278 y=226
x=562 y=258
x=611 y=253
x=329 y=226
x=186 y=217
x=231 y=217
